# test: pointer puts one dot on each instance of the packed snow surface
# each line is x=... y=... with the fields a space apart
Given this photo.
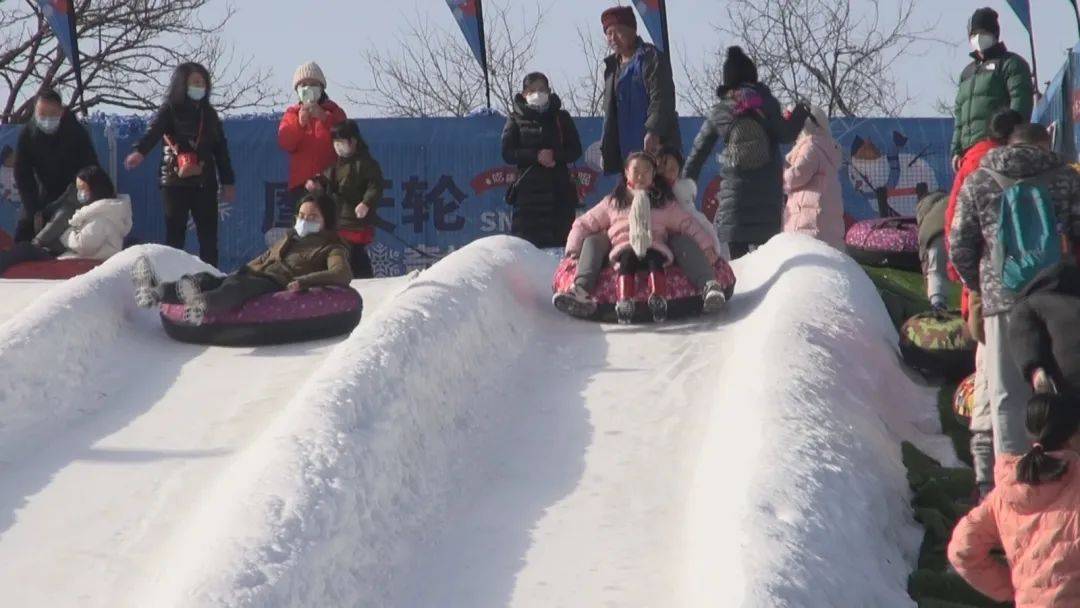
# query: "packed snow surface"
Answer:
x=465 y=446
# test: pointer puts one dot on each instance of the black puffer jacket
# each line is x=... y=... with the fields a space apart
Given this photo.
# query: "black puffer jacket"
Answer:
x=750 y=200
x=546 y=198
x=193 y=127
x=45 y=165
x=1044 y=326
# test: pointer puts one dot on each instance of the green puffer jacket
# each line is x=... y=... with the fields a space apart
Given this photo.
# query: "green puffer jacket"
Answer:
x=354 y=180
x=997 y=80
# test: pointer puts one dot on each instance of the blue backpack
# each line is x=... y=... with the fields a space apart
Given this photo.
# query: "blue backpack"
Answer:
x=1029 y=236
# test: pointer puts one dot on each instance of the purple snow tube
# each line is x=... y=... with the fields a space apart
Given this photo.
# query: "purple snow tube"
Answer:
x=891 y=242
x=275 y=318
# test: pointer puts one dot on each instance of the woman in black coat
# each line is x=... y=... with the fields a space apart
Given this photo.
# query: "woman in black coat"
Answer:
x=195 y=160
x=541 y=139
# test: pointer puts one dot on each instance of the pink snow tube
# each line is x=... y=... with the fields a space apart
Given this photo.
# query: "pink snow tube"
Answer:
x=684 y=299
x=275 y=318
x=892 y=242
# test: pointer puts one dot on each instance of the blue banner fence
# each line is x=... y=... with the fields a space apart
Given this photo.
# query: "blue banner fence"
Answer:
x=445 y=179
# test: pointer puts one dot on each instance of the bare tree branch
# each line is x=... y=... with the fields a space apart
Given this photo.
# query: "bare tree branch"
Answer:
x=432 y=71
x=128 y=50
x=584 y=95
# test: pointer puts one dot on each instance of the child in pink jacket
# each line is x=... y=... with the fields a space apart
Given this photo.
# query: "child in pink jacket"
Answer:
x=815 y=204
x=638 y=217
x=1033 y=513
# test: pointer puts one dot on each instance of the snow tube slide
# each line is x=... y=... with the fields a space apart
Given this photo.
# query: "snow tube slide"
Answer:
x=964 y=400
x=938 y=343
x=684 y=299
x=51 y=269
x=276 y=318
x=892 y=242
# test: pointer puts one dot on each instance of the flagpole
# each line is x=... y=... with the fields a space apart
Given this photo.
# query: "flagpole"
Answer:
x=664 y=31
x=1034 y=64
x=483 y=49
x=77 y=61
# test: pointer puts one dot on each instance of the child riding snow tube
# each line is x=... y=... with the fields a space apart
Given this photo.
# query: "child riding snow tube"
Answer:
x=297 y=290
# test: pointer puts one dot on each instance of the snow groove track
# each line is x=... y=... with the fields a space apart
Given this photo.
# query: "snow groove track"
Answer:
x=470 y=447
x=108 y=446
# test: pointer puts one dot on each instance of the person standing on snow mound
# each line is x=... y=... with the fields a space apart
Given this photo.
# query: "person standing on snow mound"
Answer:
x=638 y=218
x=984 y=249
x=312 y=255
x=94 y=229
x=305 y=132
x=355 y=183
x=639 y=93
x=1033 y=513
x=195 y=156
x=49 y=152
x=996 y=79
x=815 y=204
x=748 y=119
x=541 y=140
x=1044 y=330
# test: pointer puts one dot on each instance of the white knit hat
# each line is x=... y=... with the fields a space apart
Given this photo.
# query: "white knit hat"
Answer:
x=308 y=70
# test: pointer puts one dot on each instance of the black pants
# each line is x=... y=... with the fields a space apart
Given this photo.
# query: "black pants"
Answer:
x=360 y=262
x=24 y=227
x=543 y=225
x=630 y=263
x=223 y=293
x=22 y=252
x=201 y=204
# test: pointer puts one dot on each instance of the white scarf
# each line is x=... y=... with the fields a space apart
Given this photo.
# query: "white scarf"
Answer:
x=640 y=223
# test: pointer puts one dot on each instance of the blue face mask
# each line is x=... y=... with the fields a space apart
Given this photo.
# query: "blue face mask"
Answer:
x=83 y=197
x=48 y=125
x=196 y=93
x=306 y=227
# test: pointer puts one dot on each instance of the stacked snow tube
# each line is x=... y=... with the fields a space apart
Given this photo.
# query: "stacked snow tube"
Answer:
x=277 y=318
x=891 y=242
x=964 y=400
x=684 y=299
x=939 y=344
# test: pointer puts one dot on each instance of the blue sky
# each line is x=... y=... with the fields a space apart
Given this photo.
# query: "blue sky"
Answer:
x=281 y=35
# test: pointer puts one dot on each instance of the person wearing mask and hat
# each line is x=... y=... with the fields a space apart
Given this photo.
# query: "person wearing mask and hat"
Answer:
x=50 y=151
x=305 y=132
x=748 y=119
x=995 y=80
x=639 y=93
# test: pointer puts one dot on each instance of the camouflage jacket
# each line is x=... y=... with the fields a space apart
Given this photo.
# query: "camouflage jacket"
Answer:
x=973 y=234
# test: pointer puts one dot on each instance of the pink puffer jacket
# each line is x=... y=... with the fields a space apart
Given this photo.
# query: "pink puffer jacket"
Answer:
x=1039 y=528
x=671 y=219
x=815 y=204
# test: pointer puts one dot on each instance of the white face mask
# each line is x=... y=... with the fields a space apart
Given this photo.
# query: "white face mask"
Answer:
x=82 y=196
x=196 y=93
x=982 y=42
x=48 y=125
x=343 y=148
x=309 y=93
x=537 y=100
x=306 y=227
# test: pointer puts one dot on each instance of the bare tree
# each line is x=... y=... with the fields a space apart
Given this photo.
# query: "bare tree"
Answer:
x=128 y=49
x=584 y=95
x=432 y=71
x=826 y=51
x=697 y=91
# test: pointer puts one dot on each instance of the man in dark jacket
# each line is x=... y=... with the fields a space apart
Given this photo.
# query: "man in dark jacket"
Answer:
x=639 y=93
x=50 y=151
x=541 y=140
x=1044 y=330
x=972 y=240
x=994 y=80
x=751 y=199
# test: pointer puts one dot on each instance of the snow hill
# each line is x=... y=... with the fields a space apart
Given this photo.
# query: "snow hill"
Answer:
x=465 y=446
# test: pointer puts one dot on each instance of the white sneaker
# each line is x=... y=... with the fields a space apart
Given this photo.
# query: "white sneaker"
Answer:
x=577 y=302
x=713 y=298
x=193 y=299
x=145 y=280
x=624 y=311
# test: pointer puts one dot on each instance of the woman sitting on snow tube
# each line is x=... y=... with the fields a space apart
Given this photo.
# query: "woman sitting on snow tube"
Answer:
x=311 y=256
x=637 y=218
x=89 y=223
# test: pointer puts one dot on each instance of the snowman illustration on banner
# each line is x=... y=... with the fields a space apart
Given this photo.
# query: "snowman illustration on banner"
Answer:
x=892 y=182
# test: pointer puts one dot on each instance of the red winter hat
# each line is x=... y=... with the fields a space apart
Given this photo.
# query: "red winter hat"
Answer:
x=619 y=15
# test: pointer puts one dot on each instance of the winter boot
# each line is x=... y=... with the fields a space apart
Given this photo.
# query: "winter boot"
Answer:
x=577 y=302
x=713 y=298
x=624 y=308
x=194 y=300
x=658 y=295
x=146 y=283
